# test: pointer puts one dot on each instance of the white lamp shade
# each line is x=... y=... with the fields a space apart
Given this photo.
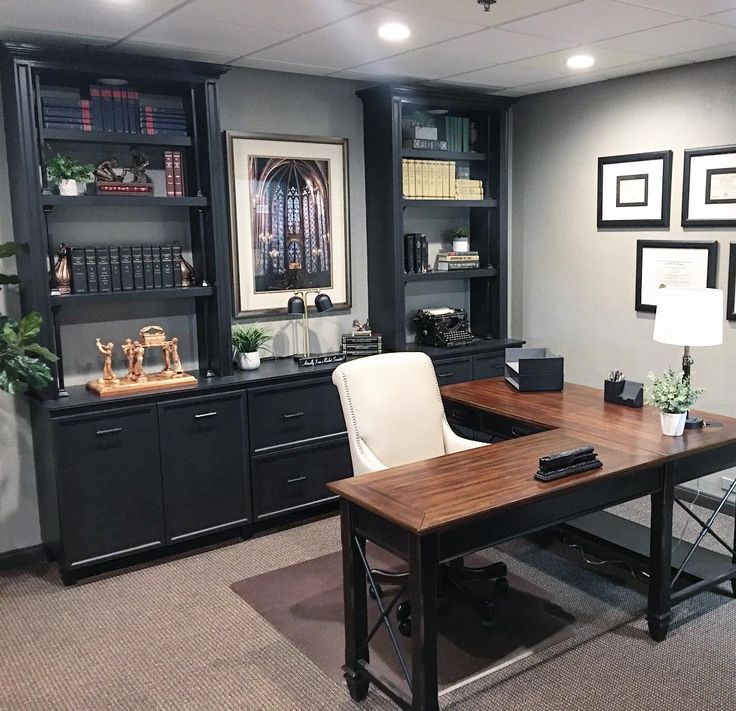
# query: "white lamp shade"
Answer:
x=689 y=317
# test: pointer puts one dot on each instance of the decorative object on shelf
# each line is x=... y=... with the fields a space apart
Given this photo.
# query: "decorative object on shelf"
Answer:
x=188 y=275
x=107 y=180
x=460 y=239
x=22 y=365
x=731 y=296
x=136 y=380
x=634 y=190
x=247 y=341
x=473 y=135
x=672 y=264
x=428 y=179
x=361 y=343
x=297 y=305
x=61 y=279
x=689 y=317
x=709 y=187
x=443 y=327
x=289 y=203
x=457 y=261
x=67 y=173
x=416 y=253
x=534 y=369
x=623 y=392
x=673 y=395
x=361 y=329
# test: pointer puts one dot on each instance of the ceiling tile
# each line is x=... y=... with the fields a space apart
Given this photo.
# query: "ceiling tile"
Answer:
x=282 y=66
x=723 y=18
x=686 y=8
x=355 y=41
x=360 y=75
x=649 y=65
x=111 y=20
x=605 y=58
x=207 y=35
x=505 y=76
x=705 y=55
x=591 y=20
x=563 y=83
x=421 y=64
x=292 y=16
x=687 y=36
x=470 y=11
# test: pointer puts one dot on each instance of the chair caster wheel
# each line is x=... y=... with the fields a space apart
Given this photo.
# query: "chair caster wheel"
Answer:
x=375 y=593
x=403 y=611
x=405 y=628
x=502 y=584
x=488 y=623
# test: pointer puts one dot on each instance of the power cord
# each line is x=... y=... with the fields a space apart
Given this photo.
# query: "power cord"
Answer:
x=620 y=563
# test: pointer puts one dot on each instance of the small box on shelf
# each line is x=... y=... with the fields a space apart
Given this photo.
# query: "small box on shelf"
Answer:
x=624 y=392
x=534 y=369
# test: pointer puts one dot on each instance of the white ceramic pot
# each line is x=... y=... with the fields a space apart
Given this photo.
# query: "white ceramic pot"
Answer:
x=461 y=244
x=68 y=187
x=249 y=361
x=673 y=424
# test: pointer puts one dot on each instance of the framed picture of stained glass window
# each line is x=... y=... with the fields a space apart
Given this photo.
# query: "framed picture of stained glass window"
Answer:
x=289 y=220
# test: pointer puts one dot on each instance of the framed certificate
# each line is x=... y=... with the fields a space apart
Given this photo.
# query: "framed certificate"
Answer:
x=634 y=190
x=661 y=264
x=731 y=297
x=709 y=187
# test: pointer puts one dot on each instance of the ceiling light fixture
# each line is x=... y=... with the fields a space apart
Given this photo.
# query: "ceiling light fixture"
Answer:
x=393 y=32
x=580 y=61
x=486 y=4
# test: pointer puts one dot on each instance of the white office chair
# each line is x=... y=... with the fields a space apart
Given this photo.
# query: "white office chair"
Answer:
x=394 y=415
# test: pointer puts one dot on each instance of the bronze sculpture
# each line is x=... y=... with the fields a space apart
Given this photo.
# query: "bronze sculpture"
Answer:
x=105 y=171
x=139 y=163
x=129 y=350
x=175 y=356
x=62 y=274
x=108 y=376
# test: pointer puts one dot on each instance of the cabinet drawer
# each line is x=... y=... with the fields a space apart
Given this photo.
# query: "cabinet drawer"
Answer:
x=109 y=480
x=454 y=370
x=297 y=478
x=203 y=460
x=281 y=414
x=487 y=366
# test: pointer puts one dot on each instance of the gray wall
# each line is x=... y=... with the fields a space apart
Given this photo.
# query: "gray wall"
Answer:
x=573 y=287
x=250 y=100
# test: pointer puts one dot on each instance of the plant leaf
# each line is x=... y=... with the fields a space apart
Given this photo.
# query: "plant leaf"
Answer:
x=10 y=249
x=29 y=327
x=6 y=279
x=39 y=350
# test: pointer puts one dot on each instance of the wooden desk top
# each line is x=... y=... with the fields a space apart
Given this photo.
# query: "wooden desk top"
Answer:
x=436 y=493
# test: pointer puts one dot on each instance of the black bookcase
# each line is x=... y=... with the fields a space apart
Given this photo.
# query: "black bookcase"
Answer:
x=26 y=71
x=390 y=215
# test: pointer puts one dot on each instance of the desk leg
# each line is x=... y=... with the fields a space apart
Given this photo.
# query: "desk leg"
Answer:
x=659 y=610
x=356 y=604
x=733 y=557
x=423 y=562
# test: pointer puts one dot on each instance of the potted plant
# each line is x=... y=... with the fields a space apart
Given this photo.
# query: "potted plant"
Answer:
x=672 y=394
x=21 y=356
x=247 y=340
x=67 y=172
x=460 y=239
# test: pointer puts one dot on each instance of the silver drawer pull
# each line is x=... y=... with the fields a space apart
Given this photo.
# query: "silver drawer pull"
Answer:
x=293 y=415
x=295 y=479
x=445 y=375
x=112 y=430
x=205 y=414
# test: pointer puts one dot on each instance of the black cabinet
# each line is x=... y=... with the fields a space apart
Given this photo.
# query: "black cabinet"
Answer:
x=487 y=366
x=109 y=485
x=454 y=370
x=203 y=460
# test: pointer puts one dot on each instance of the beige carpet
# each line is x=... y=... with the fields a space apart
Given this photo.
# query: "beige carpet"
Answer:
x=175 y=636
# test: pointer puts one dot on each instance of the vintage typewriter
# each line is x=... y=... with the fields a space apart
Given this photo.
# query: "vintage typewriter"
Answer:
x=443 y=327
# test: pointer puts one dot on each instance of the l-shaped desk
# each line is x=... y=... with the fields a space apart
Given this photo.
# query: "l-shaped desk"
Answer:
x=438 y=509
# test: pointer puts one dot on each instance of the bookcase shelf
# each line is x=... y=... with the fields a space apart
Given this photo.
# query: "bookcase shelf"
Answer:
x=422 y=202
x=142 y=139
x=191 y=292
x=121 y=201
x=482 y=273
x=441 y=155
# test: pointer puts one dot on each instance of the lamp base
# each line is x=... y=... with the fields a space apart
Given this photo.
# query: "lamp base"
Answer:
x=318 y=359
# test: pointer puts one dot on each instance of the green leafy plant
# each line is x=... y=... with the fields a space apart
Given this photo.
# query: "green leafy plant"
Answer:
x=671 y=392
x=459 y=232
x=21 y=356
x=65 y=168
x=249 y=339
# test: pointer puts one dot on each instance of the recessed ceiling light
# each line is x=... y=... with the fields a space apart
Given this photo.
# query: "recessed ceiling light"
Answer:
x=393 y=32
x=580 y=61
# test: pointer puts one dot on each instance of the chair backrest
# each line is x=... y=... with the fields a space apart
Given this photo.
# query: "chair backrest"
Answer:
x=393 y=410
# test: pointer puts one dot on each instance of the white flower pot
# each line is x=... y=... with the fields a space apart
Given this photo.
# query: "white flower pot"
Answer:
x=673 y=424
x=249 y=361
x=68 y=187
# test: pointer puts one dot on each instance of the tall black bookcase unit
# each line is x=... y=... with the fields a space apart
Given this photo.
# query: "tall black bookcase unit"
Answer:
x=28 y=74
x=482 y=156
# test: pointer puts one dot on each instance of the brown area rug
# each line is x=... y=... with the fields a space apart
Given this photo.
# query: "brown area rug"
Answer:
x=304 y=603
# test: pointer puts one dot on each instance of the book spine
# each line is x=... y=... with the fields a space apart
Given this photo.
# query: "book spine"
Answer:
x=418 y=254
x=67 y=126
x=79 y=271
x=77 y=112
x=178 y=174
x=163 y=131
x=117 y=108
x=412 y=178
x=90 y=257
x=404 y=178
x=104 y=277
x=167 y=267
x=425 y=254
x=133 y=102
x=95 y=105
x=138 y=270
x=60 y=102
x=176 y=263
x=108 y=113
x=124 y=109
x=169 y=173
x=157 y=274
x=451 y=170
x=115 y=276
x=148 y=266
x=127 y=282
x=409 y=253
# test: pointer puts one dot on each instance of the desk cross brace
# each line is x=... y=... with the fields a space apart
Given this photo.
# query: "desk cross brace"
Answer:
x=706 y=528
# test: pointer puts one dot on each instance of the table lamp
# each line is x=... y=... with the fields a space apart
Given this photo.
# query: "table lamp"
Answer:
x=297 y=305
x=689 y=317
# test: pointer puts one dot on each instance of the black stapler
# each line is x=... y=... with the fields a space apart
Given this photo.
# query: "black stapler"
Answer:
x=572 y=461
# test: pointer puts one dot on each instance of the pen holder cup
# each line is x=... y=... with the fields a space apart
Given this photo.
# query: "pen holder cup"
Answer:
x=623 y=392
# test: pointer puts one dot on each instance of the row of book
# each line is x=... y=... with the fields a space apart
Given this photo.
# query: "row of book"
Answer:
x=448 y=261
x=416 y=253
x=159 y=120
x=358 y=346
x=466 y=189
x=457 y=133
x=173 y=173
x=438 y=180
x=106 y=269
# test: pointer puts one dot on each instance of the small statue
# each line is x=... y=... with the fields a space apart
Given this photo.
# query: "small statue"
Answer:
x=139 y=163
x=166 y=350
x=108 y=377
x=361 y=328
x=105 y=171
x=139 y=351
x=175 y=356
x=129 y=350
x=62 y=274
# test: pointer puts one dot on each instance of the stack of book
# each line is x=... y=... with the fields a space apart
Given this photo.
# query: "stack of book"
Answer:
x=433 y=179
x=114 y=108
x=173 y=173
x=468 y=189
x=416 y=253
x=360 y=344
x=127 y=268
x=69 y=114
x=457 y=133
x=453 y=261
x=156 y=120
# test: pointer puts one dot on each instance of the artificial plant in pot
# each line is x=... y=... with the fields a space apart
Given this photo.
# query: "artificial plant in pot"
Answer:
x=247 y=341
x=673 y=395
x=460 y=239
x=67 y=172
x=22 y=358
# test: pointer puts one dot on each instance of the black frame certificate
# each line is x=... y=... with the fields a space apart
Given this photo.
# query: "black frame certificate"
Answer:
x=661 y=264
x=709 y=187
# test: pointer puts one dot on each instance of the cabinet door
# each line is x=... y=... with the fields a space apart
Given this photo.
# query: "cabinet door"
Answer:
x=453 y=370
x=109 y=480
x=203 y=459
